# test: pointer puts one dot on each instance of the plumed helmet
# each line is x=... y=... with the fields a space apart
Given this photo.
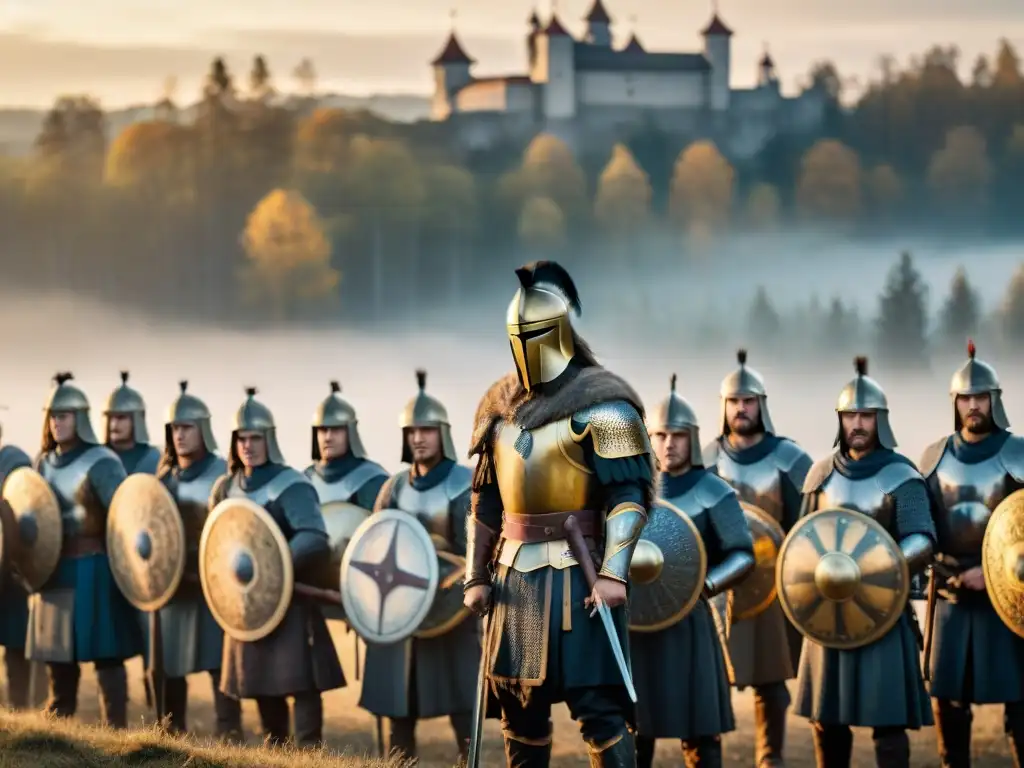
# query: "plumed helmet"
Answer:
x=425 y=411
x=125 y=401
x=976 y=377
x=862 y=394
x=67 y=398
x=335 y=411
x=254 y=416
x=745 y=382
x=675 y=414
x=188 y=409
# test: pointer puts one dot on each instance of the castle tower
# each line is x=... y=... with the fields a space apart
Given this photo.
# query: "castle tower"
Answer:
x=451 y=73
x=718 y=50
x=555 y=70
x=634 y=45
x=531 y=39
x=599 y=25
x=766 y=75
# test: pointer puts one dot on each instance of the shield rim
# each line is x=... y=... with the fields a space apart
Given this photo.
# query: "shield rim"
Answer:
x=772 y=524
x=288 y=572
x=462 y=614
x=432 y=577
x=142 y=479
x=43 y=575
x=882 y=629
x=986 y=568
x=692 y=601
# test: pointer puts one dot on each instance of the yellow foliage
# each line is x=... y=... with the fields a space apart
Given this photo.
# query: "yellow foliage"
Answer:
x=959 y=174
x=152 y=157
x=763 y=206
x=387 y=177
x=541 y=223
x=322 y=141
x=548 y=170
x=623 y=202
x=885 y=188
x=829 y=186
x=702 y=188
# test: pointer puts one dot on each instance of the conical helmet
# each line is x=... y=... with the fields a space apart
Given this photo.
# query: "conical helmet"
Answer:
x=67 y=398
x=335 y=411
x=865 y=395
x=188 y=409
x=675 y=414
x=254 y=416
x=745 y=382
x=426 y=411
x=126 y=401
x=976 y=377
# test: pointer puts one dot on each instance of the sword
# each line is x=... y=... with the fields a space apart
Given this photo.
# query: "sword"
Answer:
x=476 y=736
x=579 y=550
x=929 y=625
x=722 y=627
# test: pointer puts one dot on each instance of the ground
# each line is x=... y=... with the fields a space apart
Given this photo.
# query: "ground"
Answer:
x=352 y=730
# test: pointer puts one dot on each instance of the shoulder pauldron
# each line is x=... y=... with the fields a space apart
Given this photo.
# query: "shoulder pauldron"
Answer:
x=932 y=456
x=1012 y=457
x=615 y=427
x=892 y=476
x=711 y=489
x=818 y=474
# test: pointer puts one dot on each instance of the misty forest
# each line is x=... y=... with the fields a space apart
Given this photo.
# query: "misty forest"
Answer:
x=265 y=209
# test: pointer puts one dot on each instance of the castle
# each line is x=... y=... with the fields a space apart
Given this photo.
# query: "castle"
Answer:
x=588 y=88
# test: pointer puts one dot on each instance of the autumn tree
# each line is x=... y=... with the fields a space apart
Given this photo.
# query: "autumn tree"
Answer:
x=960 y=173
x=829 y=186
x=549 y=170
x=1013 y=310
x=902 y=323
x=542 y=224
x=701 y=193
x=885 y=191
x=764 y=208
x=152 y=159
x=623 y=202
x=289 y=256
x=961 y=312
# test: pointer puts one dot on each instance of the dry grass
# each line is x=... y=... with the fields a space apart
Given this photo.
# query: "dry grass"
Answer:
x=351 y=732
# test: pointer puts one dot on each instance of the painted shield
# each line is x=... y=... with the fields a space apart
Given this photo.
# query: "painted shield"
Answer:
x=342 y=519
x=1002 y=560
x=448 y=609
x=389 y=577
x=756 y=592
x=245 y=567
x=842 y=579
x=36 y=514
x=667 y=571
x=145 y=542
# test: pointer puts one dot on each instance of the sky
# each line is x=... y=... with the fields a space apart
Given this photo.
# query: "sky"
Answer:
x=124 y=51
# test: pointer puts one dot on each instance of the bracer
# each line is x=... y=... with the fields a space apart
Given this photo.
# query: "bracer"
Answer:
x=728 y=573
x=480 y=542
x=622 y=529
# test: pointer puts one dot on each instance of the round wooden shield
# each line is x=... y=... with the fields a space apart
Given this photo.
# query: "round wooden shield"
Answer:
x=245 y=567
x=448 y=609
x=667 y=571
x=842 y=579
x=36 y=513
x=341 y=519
x=1002 y=561
x=145 y=542
x=389 y=577
x=756 y=592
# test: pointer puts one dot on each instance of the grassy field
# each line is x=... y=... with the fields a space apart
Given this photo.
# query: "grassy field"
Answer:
x=352 y=732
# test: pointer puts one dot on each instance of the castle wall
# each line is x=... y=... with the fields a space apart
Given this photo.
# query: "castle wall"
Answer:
x=496 y=96
x=641 y=90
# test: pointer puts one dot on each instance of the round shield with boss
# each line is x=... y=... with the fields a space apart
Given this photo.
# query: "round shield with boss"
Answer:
x=667 y=571
x=245 y=566
x=752 y=596
x=341 y=519
x=32 y=514
x=1002 y=561
x=145 y=542
x=448 y=609
x=842 y=579
x=389 y=577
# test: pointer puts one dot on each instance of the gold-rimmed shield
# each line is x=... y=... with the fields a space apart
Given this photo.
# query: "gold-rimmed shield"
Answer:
x=35 y=514
x=341 y=519
x=752 y=596
x=448 y=610
x=842 y=579
x=1002 y=561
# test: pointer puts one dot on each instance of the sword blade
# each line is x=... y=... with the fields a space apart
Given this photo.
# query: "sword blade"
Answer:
x=476 y=736
x=620 y=657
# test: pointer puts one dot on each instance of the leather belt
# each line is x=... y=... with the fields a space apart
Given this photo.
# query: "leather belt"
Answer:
x=83 y=545
x=531 y=529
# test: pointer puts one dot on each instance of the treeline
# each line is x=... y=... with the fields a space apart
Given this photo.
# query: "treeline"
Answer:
x=251 y=205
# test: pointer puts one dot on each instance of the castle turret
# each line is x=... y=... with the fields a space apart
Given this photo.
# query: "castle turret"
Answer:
x=531 y=39
x=599 y=25
x=766 y=76
x=555 y=69
x=718 y=51
x=451 y=74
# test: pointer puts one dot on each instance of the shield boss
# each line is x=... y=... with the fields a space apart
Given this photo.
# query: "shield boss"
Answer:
x=842 y=579
x=389 y=577
x=245 y=567
x=342 y=519
x=36 y=515
x=145 y=542
x=667 y=571
x=756 y=592
x=1002 y=560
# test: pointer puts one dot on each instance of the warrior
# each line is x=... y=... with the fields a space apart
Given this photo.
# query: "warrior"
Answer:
x=840 y=688
x=14 y=605
x=564 y=460
x=340 y=470
x=125 y=430
x=298 y=658
x=422 y=678
x=767 y=471
x=80 y=615
x=974 y=657
x=192 y=641
x=680 y=672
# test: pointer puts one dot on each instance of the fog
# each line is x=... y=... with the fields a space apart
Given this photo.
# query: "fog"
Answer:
x=465 y=350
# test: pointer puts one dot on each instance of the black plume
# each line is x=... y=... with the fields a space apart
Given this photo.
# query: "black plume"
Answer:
x=741 y=356
x=335 y=387
x=672 y=383
x=183 y=385
x=62 y=377
x=421 y=379
x=250 y=391
x=554 y=274
x=860 y=364
x=124 y=377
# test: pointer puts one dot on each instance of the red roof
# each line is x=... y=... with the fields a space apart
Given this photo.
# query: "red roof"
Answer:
x=716 y=27
x=634 y=45
x=598 y=14
x=453 y=53
x=555 y=28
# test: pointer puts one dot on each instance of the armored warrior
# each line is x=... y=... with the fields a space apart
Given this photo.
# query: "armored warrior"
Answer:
x=421 y=678
x=974 y=657
x=340 y=470
x=842 y=687
x=767 y=471
x=80 y=615
x=192 y=641
x=680 y=672
x=298 y=658
x=125 y=432
x=564 y=460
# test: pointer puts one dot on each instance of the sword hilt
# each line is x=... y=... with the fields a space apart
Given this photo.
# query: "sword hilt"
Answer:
x=574 y=536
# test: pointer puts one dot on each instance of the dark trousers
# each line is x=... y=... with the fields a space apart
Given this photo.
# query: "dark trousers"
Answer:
x=953 y=722
x=228 y=711
x=703 y=752
x=19 y=677
x=771 y=702
x=309 y=718
x=113 y=684
x=833 y=746
x=402 y=734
